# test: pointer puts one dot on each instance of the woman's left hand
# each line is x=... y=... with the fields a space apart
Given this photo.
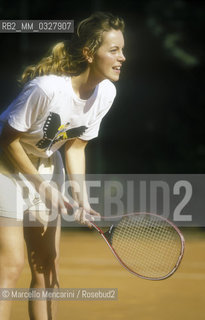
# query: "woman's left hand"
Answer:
x=86 y=214
x=82 y=213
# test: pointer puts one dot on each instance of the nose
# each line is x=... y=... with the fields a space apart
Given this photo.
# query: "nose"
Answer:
x=121 y=57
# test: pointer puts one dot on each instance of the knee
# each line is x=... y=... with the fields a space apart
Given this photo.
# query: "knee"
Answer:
x=11 y=269
x=16 y=267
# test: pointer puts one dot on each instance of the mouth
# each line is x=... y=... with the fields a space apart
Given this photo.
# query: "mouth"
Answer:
x=117 y=69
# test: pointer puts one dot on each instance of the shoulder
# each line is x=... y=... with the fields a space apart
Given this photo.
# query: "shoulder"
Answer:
x=108 y=89
x=49 y=84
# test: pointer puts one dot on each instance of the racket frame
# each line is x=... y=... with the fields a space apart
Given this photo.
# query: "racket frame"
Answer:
x=103 y=234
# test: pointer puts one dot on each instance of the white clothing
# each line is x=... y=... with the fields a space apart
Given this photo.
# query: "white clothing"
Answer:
x=49 y=112
x=18 y=194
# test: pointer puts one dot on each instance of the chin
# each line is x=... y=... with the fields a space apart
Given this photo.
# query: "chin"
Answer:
x=110 y=76
x=113 y=78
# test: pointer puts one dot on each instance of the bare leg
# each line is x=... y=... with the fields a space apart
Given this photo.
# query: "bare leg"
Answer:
x=11 y=259
x=43 y=254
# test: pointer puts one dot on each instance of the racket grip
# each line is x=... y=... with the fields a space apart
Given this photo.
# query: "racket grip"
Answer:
x=69 y=207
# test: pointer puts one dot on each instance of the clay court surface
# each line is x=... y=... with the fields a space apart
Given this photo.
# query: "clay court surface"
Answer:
x=87 y=262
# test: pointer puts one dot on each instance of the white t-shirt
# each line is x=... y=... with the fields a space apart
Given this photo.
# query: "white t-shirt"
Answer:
x=49 y=112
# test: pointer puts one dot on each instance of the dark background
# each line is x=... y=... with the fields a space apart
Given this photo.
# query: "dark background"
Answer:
x=156 y=124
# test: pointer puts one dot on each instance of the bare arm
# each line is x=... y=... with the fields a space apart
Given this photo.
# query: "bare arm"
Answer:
x=75 y=165
x=11 y=145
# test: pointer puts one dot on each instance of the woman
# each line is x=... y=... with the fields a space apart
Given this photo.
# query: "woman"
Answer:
x=63 y=101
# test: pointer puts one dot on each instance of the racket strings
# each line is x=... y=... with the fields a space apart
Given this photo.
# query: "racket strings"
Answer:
x=148 y=246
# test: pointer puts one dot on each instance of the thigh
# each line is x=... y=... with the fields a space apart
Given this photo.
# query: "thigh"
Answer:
x=11 y=201
x=11 y=243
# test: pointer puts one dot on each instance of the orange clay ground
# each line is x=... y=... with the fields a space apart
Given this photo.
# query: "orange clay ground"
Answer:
x=87 y=262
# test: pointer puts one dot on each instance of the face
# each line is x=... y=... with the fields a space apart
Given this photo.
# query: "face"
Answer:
x=108 y=59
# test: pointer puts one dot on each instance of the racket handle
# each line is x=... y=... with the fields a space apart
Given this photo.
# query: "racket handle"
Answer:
x=69 y=207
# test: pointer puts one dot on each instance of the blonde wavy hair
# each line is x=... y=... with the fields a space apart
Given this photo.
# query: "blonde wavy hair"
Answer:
x=67 y=57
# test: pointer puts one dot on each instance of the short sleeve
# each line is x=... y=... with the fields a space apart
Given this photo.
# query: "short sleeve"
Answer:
x=26 y=109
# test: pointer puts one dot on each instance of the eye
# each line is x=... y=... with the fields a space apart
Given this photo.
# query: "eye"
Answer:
x=113 y=50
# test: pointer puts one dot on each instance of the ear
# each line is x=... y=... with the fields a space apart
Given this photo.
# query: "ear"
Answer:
x=87 y=55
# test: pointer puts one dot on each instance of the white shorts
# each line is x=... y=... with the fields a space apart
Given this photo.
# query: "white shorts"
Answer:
x=18 y=195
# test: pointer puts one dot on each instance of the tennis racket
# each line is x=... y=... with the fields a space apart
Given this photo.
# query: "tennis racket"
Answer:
x=147 y=245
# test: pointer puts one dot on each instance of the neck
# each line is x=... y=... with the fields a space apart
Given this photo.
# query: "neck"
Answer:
x=84 y=84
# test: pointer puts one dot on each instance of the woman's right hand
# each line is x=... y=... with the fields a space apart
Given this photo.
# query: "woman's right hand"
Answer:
x=58 y=203
x=53 y=199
